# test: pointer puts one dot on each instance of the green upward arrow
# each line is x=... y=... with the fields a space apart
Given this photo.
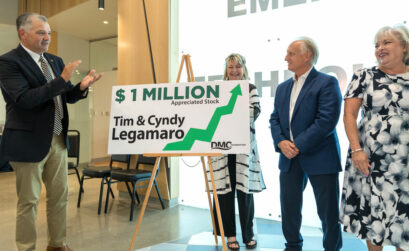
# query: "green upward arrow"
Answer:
x=207 y=134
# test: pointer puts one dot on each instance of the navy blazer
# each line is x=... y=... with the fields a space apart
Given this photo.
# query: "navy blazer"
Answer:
x=30 y=108
x=313 y=124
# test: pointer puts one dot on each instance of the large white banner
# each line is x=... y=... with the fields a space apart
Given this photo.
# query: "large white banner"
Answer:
x=261 y=30
x=198 y=117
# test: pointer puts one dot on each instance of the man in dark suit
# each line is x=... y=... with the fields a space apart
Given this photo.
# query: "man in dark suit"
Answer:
x=36 y=87
x=306 y=112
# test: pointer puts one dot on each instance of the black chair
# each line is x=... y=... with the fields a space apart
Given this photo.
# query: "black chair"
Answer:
x=135 y=176
x=74 y=152
x=104 y=173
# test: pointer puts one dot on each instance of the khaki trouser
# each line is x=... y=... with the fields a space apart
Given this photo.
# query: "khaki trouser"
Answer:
x=52 y=170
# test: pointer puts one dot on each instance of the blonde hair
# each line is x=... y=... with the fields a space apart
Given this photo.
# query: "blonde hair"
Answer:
x=235 y=57
x=401 y=33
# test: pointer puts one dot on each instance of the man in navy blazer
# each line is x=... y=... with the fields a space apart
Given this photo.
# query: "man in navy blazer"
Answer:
x=306 y=112
x=36 y=87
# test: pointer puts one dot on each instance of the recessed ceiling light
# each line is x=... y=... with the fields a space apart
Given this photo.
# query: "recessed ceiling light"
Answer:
x=106 y=22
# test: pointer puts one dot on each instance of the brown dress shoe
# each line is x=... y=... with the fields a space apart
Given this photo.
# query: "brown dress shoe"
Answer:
x=65 y=248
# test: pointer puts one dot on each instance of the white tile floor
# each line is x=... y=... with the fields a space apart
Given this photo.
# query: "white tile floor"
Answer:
x=269 y=237
x=179 y=228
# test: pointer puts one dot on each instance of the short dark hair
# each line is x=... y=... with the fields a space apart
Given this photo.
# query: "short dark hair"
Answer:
x=24 y=20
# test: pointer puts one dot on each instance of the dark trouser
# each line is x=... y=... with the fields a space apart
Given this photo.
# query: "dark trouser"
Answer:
x=326 y=191
x=227 y=208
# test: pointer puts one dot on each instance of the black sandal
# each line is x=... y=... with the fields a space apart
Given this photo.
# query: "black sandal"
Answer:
x=231 y=243
x=251 y=246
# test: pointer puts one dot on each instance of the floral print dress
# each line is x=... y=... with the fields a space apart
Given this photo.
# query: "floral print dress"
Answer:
x=376 y=207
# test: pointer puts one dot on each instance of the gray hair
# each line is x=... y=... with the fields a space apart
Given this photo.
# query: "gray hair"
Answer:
x=311 y=46
x=241 y=60
x=399 y=31
x=24 y=21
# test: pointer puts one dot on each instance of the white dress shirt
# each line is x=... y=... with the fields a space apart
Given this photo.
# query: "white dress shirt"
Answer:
x=36 y=58
x=297 y=86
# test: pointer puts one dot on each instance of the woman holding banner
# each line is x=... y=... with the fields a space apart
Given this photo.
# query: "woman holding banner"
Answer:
x=375 y=196
x=241 y=172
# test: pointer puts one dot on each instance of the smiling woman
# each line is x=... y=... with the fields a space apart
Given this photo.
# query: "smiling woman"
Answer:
x=239 y=173
x=375 y=193
x=391 y=49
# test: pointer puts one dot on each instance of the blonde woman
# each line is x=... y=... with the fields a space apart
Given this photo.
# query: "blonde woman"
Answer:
x=375 y=196
x=239 y=174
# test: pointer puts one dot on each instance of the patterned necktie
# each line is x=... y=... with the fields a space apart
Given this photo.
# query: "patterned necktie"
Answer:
x=58 y=107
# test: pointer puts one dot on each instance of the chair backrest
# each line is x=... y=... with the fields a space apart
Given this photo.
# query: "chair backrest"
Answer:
x=74 y=148
x=121 y=158
x=146 y=161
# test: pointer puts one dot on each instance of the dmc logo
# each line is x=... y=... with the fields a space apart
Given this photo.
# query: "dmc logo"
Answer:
x=221 y=145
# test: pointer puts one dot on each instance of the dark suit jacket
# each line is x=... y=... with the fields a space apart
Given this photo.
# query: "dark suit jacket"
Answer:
x=313 y=123
x=29 y=105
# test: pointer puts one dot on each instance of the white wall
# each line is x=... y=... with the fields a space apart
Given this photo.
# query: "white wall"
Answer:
x=103 y=58
x=104 y=55
x=101 y=107
x=90 y=116
x=71 y=49
x=8 y=12
x=8 y=38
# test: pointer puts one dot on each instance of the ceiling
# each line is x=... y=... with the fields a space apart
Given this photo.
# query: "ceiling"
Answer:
x=85 y=20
